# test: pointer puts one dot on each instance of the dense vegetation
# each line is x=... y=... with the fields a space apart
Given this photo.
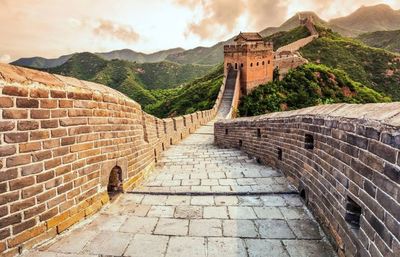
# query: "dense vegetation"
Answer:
x=389 y=40
x=282 y=38
x=375 y=68
x=306 y=86
x=198 y=95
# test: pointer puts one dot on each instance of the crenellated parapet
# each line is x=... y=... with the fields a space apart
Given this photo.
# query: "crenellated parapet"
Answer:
x=67 y=146
x=344 y=159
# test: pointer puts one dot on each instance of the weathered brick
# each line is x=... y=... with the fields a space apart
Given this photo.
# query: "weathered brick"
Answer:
x=8 y=174
x=73 y=122
x=48 y=104
x=49 y=214
x=79 y=130
x=26 y=235
x=39 y=93
x=60 y=151
x=31 y=169
x=52 y=163
x=18 y=160
x=4 y=233
x=9 y=197
x=45 y=124
x=361 y=142
x=81 y=147
x=47 y=195
x=389 y=204
x=7 y=125
x=34 y=211
x=7 y=150
x=66 y=104
x=18 y=228
x=45 y=176
x=15 y=114
x=32 y=191
x=40 y=114
x=27 y=125
x=52 y=143
x=15 y=91
x=10 y=220
x=40 y=156
x=39 y=135
x=59 y=113
x=80 y=95
x=393 y=172
x=58 y=94
x=386 y=152
x=30 y=147
x=27 y=103
x=21 y=183
x=59 y=133
x=6 y=102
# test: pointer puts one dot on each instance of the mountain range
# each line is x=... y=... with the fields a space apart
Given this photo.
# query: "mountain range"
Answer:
x=364 y=20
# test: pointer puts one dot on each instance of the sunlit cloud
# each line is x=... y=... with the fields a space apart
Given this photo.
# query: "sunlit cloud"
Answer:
x=124 y=33
x=5 y=58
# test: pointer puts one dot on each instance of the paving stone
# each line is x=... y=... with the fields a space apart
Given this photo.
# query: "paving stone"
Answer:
x=74 y=242
x=226 y=200
x=215 y=212
x=174 y=227
x=142 y=225
x=107 y=222
x=221 y=189
x=191 y=182
x=205 y=228
x=273 y=200
x=209 y=182
x=161 y=211
x=265 y=248
x=200 y=189
x=216 y=175
x=236 y=212
x=239 y=228
x=250 y=201
x=305 y=229
x=202 y=200
x=147 y=245
x=309 y=248
x=274 y=229
x=227 y=182
x=188 y=212
x=154 y=199
x=246 y=181
x=293 y=200
x=218 y=247
x=141 y=210
x=171 y=183
x=199 y=176
x=293 y=213
x=268 y=212
x=186 y=247
x=178 y=200
x=108 y=243
x=35 y=253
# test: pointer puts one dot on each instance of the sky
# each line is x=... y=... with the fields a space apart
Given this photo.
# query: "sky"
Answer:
x=50 y=28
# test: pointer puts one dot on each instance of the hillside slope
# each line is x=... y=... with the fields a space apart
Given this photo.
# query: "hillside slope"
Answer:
x=369 y=19
x=389 y=40
x=124 y=54
x=305 y=86
x=375 y=68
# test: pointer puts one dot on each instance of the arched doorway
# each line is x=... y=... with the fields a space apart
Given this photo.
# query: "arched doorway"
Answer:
x=114 y=186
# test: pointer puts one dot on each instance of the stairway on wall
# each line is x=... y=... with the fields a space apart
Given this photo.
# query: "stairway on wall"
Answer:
x=227 y=98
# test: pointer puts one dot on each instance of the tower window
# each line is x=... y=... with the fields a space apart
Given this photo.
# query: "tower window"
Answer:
x=241 y=65
x=263 y=63
x=279 y=153
x=226 y=131
x=251 y=64
x=240 y=143
x=258 y=63
x=236 y=66
x=269 y=62
x=309 y=142
x=353 y=213
x=259 y=133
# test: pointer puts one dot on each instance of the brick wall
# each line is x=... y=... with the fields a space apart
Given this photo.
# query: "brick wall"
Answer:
x=59 y=140
x=344 y=160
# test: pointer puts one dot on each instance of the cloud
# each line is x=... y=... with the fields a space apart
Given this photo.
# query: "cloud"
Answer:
x=110 y=29
x=219 y=16
x=5 y=58
x=263 y=13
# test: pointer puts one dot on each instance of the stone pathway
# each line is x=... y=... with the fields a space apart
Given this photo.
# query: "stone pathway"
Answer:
x=194 y=205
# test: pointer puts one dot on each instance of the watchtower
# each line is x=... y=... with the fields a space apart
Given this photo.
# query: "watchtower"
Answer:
x=253 y=57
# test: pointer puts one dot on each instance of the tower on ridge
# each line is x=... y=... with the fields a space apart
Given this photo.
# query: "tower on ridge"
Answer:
x=253 y=57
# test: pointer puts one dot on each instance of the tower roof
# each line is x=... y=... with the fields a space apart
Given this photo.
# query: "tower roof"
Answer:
x=249 y=36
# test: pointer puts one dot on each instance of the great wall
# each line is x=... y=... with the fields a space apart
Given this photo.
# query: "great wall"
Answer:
x=69 y=146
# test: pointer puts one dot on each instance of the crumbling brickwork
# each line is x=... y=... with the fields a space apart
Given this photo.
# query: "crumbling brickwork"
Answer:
x=344 y=160
x=59 y=140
